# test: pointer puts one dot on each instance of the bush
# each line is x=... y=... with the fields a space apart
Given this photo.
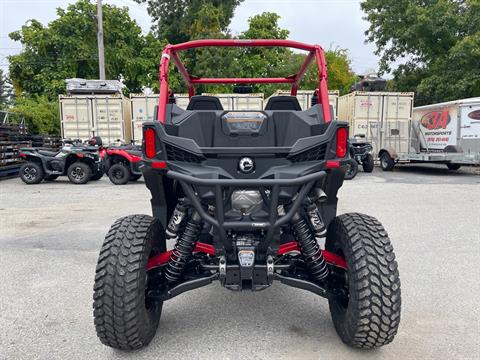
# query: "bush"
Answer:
x=41 y=115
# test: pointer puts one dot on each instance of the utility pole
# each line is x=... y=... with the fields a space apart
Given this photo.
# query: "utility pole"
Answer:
x=101 y=52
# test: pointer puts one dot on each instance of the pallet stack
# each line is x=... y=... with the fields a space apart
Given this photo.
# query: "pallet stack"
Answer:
x=13 y=137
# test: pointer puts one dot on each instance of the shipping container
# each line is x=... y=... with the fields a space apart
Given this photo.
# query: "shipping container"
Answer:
x=143 y=107
x=451 y=126
x=84 y=116
x=305 y=98
x=236 y=102
x=381 y=118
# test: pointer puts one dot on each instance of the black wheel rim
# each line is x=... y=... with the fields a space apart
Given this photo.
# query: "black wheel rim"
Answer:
x=30 y=173
x=118 y=174
x=78 y=174
x=349 y=171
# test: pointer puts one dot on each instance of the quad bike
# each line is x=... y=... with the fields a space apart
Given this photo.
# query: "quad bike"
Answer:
x=360 y=154
x=248 y=198
x=123 y=163
x=80 y=162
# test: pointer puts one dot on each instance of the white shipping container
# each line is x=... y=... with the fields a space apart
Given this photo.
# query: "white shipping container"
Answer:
x=305 y=98
x=235 y=102
x=76 y=117
x=455 y=124
x=381 y=118
x=84 y=116
x=143 y=107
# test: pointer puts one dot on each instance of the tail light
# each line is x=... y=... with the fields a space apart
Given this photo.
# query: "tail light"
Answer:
x=150 y=148
x=341 y=142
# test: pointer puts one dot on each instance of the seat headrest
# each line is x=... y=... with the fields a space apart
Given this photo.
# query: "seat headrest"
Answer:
x=203 y=102
x=283 y=102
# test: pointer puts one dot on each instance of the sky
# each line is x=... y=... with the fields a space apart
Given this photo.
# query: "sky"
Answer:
x=330 y=23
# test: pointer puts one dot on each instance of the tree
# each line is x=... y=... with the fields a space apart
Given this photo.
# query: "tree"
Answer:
x=67 y=48
x=175 y=20
x=39 y=112
x=440 y=40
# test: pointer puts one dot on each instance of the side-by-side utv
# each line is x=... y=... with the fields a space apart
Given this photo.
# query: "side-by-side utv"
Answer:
x=249 y=199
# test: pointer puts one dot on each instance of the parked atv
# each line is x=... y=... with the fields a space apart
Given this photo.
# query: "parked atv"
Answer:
x=80 y=162
x=247 y=197
x=360 y=154
x=123 y=163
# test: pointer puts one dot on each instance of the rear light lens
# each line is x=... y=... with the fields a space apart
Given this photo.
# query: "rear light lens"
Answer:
x=150 y=148
x=332 y=164
x=341 y=142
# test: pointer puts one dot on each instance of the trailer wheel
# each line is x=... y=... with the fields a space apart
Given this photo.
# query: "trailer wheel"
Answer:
x=124 y=316
x=368 y=164
x=351 y=169
x=452 y=166
x=366 y=314
x=119 y=174
x=31 y=173
x=386 y=162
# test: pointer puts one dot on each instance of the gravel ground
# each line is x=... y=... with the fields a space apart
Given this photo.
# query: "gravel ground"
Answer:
x=50 y=235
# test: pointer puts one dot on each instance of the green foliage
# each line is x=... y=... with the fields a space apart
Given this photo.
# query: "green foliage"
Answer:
x=67 y=48
x=441 y=40
x=40 y=114
x=177 y=20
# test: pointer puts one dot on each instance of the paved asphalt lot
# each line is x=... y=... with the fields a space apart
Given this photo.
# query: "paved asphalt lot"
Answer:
x=50 y=234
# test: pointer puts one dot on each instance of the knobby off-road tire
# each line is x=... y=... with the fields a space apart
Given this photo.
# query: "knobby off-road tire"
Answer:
x=123 y=318
x=351 y=170
x=79 y=173
x=371 y=316
x=98 y=175
x=31 y=173
x=119 y=174
x=368 y=164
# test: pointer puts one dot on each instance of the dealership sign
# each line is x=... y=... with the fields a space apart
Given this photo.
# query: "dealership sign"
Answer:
x=438 y=129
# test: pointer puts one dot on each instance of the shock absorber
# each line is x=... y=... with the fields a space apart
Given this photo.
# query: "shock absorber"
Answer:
x=183 y=248
x=309 y=248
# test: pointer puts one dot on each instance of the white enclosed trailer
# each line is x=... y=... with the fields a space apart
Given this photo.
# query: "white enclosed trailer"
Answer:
x=84 y=116
x=447 y=133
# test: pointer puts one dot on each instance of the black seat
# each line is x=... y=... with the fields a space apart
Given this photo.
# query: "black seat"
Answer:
x=203 y=102
x=48 y=153
x=283 y=102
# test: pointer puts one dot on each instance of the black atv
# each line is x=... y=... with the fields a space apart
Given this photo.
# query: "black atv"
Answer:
x=360 y=154
x=248 y=198
x=80 y=162
x=123 y=163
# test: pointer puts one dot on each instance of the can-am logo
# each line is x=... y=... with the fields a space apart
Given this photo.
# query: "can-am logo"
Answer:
x=475 y=115
x=435 y=120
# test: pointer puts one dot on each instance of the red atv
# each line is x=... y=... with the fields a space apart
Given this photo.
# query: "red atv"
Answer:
x=122 y=163
x=249 y=199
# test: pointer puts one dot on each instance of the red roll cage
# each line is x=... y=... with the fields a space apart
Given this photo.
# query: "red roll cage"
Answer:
x=314 y=51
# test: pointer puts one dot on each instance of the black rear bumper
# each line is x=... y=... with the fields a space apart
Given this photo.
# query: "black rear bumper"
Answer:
x=221 y=186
